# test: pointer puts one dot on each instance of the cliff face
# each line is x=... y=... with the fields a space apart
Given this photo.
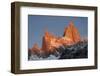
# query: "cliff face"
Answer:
x=50 y=42
x=72 y=33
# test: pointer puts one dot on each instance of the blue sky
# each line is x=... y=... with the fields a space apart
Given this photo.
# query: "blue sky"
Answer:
x=37 y=24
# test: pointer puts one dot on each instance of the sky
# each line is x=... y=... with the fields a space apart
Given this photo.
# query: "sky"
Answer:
x=38 y=24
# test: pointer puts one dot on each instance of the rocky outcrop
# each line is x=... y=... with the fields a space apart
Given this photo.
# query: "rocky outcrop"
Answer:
x=36 y=50
x=49 y=42
x=72 y=33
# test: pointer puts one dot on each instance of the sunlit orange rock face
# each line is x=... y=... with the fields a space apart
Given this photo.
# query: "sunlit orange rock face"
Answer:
x=72 y=33
x=35 y=49
x=49 y=42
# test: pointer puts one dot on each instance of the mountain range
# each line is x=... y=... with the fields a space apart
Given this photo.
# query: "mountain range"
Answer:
x=63 y=47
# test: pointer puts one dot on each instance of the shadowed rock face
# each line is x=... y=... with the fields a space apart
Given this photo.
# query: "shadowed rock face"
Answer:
x=58 y=47
x=79 y=50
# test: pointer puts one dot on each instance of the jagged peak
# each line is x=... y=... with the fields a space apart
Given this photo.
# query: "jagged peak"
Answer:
x=69 y=28
x=71 y=23
x=48 y=34
x=72 y=32
x=35 y=46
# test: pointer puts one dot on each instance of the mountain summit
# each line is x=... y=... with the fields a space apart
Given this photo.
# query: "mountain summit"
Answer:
x=49 y=42
x=72 y=33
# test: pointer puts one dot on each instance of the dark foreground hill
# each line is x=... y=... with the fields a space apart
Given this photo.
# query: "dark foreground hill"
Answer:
x=76 y=51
